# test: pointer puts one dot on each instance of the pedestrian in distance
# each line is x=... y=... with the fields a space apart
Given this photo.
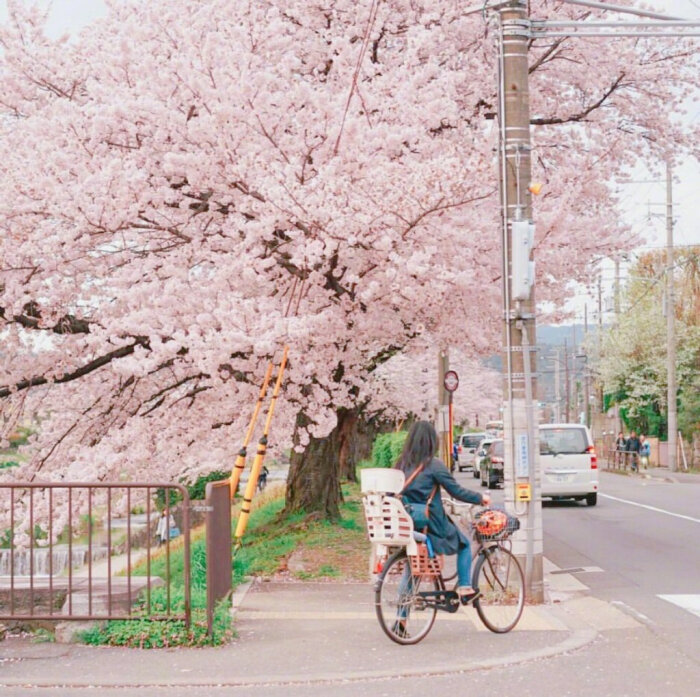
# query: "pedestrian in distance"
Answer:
x=633 y=448
x=455 y=457
x=166 y=523
x=644 y=451
x=620 y=448
x=426 y=475
x=262 y=478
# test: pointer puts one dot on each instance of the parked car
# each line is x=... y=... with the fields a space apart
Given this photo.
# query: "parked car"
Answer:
x=491 y=467
x=467 y=445
x=568 y=463
x=481 y=451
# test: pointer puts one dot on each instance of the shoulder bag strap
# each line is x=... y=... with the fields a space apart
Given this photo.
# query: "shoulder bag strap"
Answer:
x=415 y=473
x=430 y=500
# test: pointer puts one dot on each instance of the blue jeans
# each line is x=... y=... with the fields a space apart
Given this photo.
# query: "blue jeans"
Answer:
x=464 y=565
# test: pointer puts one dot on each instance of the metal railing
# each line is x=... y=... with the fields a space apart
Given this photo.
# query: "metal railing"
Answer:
x=622 y=459
x=68 y=550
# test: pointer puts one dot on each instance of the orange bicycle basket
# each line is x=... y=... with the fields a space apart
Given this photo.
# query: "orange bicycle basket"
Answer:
x=490 y=523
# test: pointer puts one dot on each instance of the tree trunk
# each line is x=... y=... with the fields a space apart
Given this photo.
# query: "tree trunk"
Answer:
x=315 y=474
x=313 y=483
x=347 y=431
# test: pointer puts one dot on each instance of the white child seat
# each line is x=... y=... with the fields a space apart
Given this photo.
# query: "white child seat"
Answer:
x=388 y=523
x=381 y=480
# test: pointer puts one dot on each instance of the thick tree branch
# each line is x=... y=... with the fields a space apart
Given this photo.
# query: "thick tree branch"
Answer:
x=79 y=372
x=31 y=319
x=555 y=120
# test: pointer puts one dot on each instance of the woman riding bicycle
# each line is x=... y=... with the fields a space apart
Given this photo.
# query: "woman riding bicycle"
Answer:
x=425 y=475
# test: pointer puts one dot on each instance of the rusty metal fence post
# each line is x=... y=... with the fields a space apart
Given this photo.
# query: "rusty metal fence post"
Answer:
x=219 y=540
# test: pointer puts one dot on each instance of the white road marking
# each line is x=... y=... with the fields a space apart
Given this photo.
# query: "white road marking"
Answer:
x=691 y=603
x=651 y=508
x=631 y=612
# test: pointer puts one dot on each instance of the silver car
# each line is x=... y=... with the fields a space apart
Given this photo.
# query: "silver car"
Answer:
x=480 y=453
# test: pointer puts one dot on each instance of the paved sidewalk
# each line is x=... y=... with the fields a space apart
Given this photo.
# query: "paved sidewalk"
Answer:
x=320 y=632
x=678 y=477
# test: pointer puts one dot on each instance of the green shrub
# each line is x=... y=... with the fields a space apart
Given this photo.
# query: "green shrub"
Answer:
x=195 y=490
x=387 y=448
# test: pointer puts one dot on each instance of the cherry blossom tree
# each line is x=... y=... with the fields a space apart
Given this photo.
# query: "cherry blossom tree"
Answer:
x=189 y=185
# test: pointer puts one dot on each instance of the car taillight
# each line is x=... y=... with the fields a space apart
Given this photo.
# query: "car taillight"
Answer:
x=594 y=458
x=497 y=460
x=459 y=448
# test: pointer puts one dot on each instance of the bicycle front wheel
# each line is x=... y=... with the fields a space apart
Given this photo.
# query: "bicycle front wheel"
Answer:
x=500 y=579
x=404 y=616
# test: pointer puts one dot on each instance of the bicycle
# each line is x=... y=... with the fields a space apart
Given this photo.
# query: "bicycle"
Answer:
x=411 y=587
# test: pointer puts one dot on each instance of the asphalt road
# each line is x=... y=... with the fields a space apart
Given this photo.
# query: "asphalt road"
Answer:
x=640 y=544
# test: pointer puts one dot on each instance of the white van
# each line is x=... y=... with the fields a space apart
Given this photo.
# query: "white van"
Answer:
x=568 y=463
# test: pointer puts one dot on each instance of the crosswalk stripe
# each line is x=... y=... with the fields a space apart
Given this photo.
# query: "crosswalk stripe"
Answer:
x=689 y=602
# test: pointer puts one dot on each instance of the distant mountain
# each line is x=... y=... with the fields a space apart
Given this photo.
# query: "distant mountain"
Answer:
x=549 y=338
x=556 y=334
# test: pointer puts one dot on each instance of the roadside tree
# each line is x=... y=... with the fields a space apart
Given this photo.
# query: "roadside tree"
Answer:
x=633 y=364
x=188 y=185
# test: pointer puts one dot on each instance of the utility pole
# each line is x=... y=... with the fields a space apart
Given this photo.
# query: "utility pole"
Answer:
x=567 y=385
x=670 y=327
x=599 y=345
x=586 y=389
x=600 y=313
x=442 y=420
x=575 y=384
x=557 y=392
x=520 y=389
x=616 y=291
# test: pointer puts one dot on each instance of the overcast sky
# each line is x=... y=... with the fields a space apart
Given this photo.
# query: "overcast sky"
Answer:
x=643 y=202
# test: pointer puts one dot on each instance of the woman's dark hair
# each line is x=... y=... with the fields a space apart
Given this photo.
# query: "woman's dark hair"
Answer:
x=419 y=447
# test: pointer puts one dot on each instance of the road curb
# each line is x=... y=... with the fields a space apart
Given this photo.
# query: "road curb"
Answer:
x=239 y=595
x=577 y=640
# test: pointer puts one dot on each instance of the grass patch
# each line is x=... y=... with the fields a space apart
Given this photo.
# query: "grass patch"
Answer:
x=306 y=547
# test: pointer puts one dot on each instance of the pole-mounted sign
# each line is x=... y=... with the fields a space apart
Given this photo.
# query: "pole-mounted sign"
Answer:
x=451 y=381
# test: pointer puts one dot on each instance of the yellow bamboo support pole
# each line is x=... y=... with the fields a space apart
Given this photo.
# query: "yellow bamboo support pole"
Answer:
x=260 y=455
x=238 y=468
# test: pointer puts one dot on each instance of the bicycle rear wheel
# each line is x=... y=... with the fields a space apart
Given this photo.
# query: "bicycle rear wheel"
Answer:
x=404 y=616
x=500 y=579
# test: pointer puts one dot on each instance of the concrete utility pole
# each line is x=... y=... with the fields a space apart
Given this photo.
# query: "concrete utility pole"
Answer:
x=670 y=327
x=567 y=386
x=557 y=391
x=520 y=389
x=442 y=420
x=586 y=386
